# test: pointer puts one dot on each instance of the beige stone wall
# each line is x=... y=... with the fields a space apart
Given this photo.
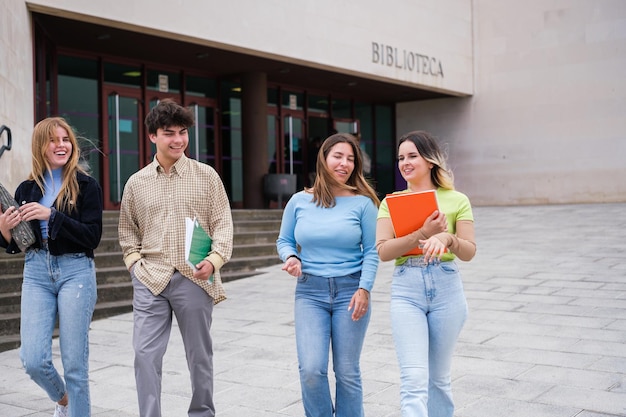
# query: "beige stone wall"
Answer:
x=16 y=91
x=547 y=122
x=423 y=36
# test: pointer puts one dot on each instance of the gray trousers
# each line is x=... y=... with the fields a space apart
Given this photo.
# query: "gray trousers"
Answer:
x=151 y=332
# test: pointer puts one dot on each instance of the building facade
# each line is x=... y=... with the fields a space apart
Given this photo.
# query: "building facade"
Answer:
x=529 y=99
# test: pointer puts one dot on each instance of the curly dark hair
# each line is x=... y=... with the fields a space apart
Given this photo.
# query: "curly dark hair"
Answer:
x=166 y=114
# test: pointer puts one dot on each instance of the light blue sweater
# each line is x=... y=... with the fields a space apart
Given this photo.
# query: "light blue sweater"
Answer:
x=335 y=241
x=52 y=187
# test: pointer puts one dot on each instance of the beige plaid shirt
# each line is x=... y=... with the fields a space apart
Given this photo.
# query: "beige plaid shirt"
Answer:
x=152 y=222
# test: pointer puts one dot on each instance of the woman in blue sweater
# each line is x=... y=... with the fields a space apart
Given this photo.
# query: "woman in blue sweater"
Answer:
x=64 y=206
x=328 y=241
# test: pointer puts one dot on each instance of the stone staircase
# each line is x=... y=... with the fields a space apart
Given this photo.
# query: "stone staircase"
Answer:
x=254 y=247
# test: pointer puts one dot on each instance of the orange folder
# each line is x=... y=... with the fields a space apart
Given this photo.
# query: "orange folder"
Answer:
x=409 y=211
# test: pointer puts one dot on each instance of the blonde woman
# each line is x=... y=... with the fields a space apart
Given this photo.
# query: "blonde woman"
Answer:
x=64 y=207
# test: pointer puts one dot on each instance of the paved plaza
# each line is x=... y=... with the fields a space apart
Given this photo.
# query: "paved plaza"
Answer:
x=545 y=337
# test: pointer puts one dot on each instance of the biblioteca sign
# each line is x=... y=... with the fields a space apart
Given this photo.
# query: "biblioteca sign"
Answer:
x=402 y=59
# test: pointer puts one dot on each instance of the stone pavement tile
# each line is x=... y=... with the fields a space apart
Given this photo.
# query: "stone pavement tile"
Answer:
x=570 y=376
x=544 y=342
x=520 y=327
x=262 y=399
x=600 y=348
x=238 y=411
x=489 y=406
x=617 y=325
x=586 y=399
x=8 y=410
x=22 y=401
x=114 y=375
x=96 y=411
x=558 y=309
x=491 y=386
x=585 y=333
x=600 y=294
x=387 y=401
x=611 y=364
x=253 y=375
x=113 y=397
x=482 y=351
x=498 y=368
x=578 y=321
x=552 y=358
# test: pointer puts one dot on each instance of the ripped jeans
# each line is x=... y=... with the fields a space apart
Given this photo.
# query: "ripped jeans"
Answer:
x=65 y=287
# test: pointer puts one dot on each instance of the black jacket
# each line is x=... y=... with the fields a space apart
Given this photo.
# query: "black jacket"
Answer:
x=75 y=232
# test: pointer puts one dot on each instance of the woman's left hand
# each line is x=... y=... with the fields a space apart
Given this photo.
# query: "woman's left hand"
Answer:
x=359 y=303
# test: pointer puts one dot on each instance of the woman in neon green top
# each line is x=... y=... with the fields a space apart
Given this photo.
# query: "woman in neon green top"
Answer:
x=428 y=306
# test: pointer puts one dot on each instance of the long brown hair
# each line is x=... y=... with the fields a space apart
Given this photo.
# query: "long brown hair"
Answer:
x=44 y=130
x=325 y=182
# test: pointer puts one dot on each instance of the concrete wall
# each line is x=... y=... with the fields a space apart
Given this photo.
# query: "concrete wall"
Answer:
x=331 y=34
x=547 y=122
x=16 y=91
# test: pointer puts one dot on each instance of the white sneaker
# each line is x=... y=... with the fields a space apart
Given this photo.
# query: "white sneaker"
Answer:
x=61 y=411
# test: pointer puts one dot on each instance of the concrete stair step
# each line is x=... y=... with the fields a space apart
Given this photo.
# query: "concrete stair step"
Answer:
x=9 y=342
x=10 y=283
x=10 y=302
x=255 y=234
x=256 y=225
x=256 y=214
x=9 y=323
x=117 y=291
x=109 y=244
x=259 y=236
x=12 y=264
x=249 y=264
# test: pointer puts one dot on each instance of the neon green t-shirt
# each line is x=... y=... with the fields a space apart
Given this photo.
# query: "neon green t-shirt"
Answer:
x=455 y=205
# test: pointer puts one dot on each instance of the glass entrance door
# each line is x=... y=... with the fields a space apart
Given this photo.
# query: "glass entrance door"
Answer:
x=293 y=142
x=123 y=146
x=202 y=135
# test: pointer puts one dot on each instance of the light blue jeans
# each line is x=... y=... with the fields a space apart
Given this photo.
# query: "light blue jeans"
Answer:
x=64 y=287
x=322 y=322
x=428 y=310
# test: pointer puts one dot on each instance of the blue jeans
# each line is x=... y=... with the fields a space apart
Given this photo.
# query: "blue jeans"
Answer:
x=64 y=287
x=428 y=310
x=323 y=321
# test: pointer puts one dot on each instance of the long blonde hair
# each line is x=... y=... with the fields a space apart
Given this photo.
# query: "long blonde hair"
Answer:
x=325 y=182
x=43 y=131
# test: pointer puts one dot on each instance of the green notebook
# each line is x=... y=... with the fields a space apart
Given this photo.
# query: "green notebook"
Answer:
x=197 y=243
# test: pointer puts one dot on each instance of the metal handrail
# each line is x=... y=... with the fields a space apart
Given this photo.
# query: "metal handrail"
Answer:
x=6 y=147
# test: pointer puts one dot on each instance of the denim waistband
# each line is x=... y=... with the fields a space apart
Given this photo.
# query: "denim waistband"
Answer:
x=44 y=245
x=420 y=262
